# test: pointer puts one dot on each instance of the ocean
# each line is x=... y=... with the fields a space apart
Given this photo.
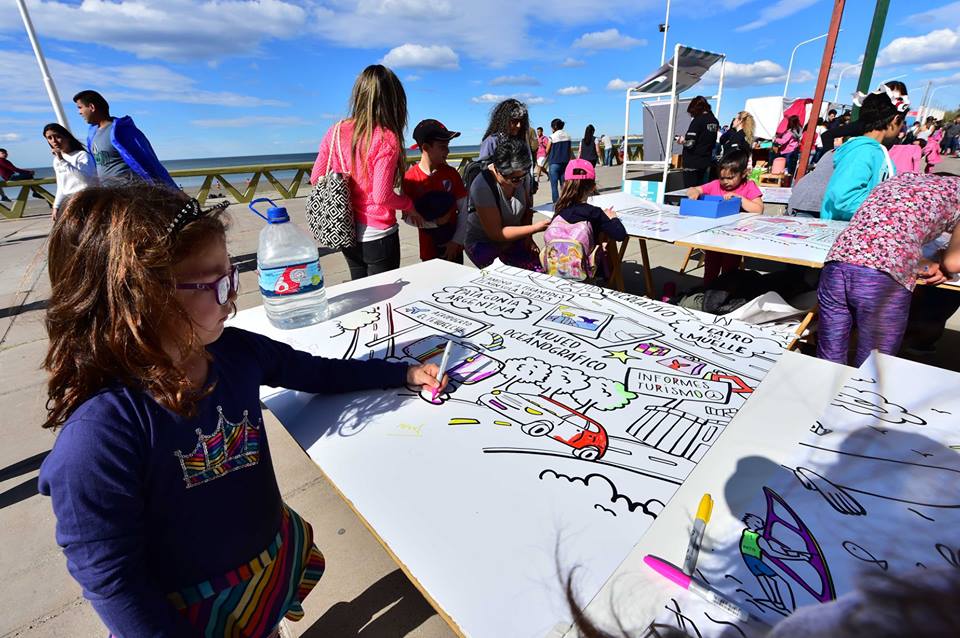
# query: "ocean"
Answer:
x=238 y=179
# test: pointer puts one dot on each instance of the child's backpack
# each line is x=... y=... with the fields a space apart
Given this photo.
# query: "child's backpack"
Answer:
x=568 y=249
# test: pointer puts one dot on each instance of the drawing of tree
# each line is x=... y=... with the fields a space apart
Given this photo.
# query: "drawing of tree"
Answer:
x=356 y=322
x=603 y=394
x=564 y=380
x=525 y=370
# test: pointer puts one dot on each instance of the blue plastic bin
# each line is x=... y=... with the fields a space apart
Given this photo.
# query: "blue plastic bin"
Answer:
x=712 y=206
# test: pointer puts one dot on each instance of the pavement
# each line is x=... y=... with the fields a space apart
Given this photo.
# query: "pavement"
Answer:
x=363 y=592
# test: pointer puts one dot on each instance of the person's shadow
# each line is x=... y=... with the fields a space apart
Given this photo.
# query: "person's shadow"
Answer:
x=407 y=610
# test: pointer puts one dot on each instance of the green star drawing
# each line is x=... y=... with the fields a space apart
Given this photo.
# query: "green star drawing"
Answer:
x=622 y=355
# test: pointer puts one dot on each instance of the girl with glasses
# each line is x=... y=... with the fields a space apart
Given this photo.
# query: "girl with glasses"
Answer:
x=161 y=477
x=500 y=223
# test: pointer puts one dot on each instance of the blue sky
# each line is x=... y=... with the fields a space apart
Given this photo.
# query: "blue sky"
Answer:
x=249 y=77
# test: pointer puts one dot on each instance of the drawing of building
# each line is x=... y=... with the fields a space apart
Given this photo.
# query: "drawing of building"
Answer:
x=676 y=432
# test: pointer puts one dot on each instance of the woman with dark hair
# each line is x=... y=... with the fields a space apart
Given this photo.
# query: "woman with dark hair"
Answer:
x=589 y=146
x=72 y=163
x=502 y=223
x=698 y=142
x=508 y=120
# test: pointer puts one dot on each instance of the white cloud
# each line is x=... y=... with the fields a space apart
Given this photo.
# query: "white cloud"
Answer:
x=10 y=137
x=494 y=98
x=616 y=84
x=419 y=56
x=608 y=39
x=573 y=90
x=251 y=121
x=488 y=98
x=516 y=80
x=753 y=73
x=570 y=63
x=496 y=32
x=23 y=93
x=413 y=77
x=777 y=11
x=937 y=50
x=947 y=14
x=167 y=29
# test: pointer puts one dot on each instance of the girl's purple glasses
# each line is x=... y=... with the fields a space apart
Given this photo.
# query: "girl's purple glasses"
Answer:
x=222 y=287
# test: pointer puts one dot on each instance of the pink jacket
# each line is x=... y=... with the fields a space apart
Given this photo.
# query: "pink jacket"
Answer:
x=374 y=201
x=932 y=150
x=788 y=142
x=906 y=157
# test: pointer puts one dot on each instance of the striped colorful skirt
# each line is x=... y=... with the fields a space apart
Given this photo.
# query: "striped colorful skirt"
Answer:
x=251 y=600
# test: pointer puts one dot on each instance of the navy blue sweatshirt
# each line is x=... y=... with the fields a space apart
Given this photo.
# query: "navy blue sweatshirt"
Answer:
x=598 y=219
x=148 y=503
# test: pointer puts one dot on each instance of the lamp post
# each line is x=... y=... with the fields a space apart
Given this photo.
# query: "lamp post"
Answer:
x=929 y=100
x=665 y=27
x=836 y=96
x=44 y=71
x=786 y=84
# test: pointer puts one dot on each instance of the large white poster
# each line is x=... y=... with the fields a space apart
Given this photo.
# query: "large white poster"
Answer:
x=873 y=488
x=573 y=414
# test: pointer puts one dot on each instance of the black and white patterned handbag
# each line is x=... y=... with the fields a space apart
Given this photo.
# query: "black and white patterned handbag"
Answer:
x=329 y=213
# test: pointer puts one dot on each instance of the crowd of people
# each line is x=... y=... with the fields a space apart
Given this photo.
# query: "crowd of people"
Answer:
x=141 y=364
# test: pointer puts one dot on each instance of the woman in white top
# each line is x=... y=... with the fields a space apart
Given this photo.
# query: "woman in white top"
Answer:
x=72 y=163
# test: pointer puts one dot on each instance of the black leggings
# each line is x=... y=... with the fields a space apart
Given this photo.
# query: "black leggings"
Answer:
x=695 y=176
x=373 y=257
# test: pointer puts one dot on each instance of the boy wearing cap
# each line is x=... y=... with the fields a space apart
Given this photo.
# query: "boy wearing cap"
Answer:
x=438 y=193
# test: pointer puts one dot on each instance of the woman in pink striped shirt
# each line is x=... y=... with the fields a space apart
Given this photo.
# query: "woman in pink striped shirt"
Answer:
x=372 y=143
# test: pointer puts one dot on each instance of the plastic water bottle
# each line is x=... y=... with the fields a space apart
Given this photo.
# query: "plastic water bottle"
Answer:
x=288 y=270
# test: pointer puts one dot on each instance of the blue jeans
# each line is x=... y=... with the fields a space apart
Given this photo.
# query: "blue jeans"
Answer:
x=556 y=179
x=608 y=157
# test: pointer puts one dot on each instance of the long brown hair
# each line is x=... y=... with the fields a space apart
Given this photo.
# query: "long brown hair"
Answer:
x=574 y=191
x=111 y=262
x=377 y=99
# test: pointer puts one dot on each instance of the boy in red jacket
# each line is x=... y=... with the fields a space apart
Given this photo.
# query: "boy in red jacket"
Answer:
x=438 y=193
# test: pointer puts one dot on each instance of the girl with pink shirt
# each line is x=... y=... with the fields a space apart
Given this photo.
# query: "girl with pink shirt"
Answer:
x=375 y=162
x=789 y=142
x=733 y=182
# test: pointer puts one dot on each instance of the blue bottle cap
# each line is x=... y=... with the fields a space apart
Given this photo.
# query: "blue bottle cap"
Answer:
x=277 y=215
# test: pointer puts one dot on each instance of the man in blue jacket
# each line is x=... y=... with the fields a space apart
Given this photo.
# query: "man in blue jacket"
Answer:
x=121 y=150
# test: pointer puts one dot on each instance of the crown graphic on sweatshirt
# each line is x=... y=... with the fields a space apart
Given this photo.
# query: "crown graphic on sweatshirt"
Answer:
x=231 y=446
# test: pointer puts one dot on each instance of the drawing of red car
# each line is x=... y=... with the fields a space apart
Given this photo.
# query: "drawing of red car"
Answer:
x=542 y=416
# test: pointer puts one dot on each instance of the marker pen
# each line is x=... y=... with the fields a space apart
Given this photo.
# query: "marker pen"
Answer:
x=696 y=534
x=702 y=590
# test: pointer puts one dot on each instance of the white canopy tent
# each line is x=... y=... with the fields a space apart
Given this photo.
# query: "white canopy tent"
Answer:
x=679 y=73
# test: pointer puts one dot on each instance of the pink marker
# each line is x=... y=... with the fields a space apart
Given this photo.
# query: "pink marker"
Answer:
x=676 y=575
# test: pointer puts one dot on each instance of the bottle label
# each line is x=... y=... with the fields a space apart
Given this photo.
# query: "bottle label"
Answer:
x=290 y=280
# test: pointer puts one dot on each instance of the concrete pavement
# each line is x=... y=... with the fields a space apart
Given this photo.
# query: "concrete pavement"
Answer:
x=363 y=592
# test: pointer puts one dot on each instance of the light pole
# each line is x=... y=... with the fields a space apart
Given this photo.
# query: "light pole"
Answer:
x=836 y=96
x=786 y=84
x=926 y=105
x=665 y=27
x=44 y=71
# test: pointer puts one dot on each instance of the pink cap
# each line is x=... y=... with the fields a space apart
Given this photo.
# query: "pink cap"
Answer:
x=580 y=169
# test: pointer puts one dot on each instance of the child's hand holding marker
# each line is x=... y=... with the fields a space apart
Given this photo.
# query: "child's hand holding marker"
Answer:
x=425 y=376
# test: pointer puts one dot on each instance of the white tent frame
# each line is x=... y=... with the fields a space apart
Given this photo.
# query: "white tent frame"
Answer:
x=635 y=94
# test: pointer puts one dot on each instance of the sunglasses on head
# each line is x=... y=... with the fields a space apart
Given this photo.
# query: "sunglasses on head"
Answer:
x=222 y=287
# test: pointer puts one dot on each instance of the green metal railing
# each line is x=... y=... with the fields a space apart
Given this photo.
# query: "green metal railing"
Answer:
x=244 y=194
